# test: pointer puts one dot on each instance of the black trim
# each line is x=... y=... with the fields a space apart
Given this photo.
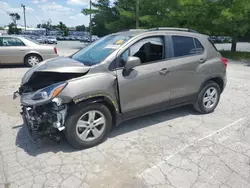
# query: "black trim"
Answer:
x=190 y=98
x=158 y=107
x=213 y=77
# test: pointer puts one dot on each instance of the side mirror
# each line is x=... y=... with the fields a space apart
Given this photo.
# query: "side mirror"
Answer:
x=131 y=63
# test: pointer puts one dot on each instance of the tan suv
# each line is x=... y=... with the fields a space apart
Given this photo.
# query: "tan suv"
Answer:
x=119 y=77
x=21 y=50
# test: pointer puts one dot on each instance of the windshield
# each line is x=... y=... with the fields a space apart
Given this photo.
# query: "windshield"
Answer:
x=99 y=50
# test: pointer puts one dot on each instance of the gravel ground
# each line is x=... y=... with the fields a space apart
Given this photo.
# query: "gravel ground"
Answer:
x=171 y=149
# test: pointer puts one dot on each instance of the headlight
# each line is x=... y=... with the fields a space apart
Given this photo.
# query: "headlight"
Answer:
x=49 y=92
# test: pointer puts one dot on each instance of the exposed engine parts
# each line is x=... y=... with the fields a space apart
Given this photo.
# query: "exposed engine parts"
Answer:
x=46 y=120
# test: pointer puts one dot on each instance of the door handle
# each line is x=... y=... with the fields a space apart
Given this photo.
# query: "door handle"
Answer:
x=202 y=60
x=164 y=71
x=21 y=50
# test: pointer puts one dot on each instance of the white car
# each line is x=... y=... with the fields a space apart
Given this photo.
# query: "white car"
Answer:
x=51 y=40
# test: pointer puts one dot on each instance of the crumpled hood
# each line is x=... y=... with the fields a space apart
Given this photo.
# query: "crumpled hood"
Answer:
x=57 y=65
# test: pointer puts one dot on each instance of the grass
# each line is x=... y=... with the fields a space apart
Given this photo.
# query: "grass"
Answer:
x=236 y=55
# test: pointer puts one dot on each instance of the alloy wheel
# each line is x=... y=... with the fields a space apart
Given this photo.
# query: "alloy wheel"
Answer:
x=90 y=125
x=210 y=97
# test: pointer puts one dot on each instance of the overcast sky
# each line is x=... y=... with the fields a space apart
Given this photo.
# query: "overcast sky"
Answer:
x=38 y=11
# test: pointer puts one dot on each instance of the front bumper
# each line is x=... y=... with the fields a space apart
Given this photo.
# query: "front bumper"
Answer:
x=44 y=121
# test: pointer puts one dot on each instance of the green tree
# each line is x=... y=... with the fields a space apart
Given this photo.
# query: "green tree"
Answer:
x=234 y=19
x=215 y=17
x=80 y=28
x=12 y=29
x=46 y=25
x=211 y=17
x=65 y=32
x=15 y=17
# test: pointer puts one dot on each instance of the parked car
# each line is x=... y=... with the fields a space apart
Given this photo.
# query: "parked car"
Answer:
x=51 y=40
x=60 y=38
x=213 y=39
x=84 y=39
x=121 y=76
x=42 y=40
x=20 y=50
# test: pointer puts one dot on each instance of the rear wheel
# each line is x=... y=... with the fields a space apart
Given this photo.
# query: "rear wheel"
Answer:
x=87 y=126
x=208 y=98
x=32 y=60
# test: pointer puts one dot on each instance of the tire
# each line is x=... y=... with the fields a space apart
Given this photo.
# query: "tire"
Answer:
x=32 y=60
x=73 y=132
x=202 y=102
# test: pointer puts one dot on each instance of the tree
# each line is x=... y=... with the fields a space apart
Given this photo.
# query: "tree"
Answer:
x=15 y=17
x=65 y=32
x=80 y=28
x=63 y=28
x=215 y=17
x=46 y=25
x=211 y=17
x=12 y=29
x=234 y=19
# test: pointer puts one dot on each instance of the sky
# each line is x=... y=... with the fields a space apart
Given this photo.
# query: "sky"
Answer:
x=39 y=11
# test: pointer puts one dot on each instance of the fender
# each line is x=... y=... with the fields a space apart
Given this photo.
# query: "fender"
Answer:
x=212 y=78
x=105 y=99
x=97 y=98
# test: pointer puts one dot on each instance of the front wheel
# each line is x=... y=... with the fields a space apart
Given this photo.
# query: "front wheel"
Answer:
x=87 y=126
x=208 y=98
x=32 y=60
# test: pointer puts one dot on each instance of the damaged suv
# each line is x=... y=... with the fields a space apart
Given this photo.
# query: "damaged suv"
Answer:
x=119 y=77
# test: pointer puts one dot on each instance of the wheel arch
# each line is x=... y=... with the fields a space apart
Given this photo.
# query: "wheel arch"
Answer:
x=32 y=53
x=107 y=102
x=217 y=79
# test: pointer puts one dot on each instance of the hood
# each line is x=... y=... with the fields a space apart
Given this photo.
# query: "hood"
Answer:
x=63 y=65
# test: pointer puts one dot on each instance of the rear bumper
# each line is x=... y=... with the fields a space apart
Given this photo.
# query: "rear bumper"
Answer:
x=225 y=82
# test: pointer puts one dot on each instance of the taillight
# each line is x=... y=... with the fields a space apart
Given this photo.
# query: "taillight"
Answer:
x=224 y=61
x=55 y=50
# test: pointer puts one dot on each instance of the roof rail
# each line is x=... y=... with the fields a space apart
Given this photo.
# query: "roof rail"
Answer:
x=172 y=29
x=133 y=30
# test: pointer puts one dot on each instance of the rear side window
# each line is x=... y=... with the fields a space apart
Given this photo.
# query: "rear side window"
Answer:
x=183 y=46
x=198 y=46
x=6 y=41
x=211 y=42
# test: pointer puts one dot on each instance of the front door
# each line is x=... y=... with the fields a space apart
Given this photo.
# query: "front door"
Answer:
x=147 y=85
x=12 y=50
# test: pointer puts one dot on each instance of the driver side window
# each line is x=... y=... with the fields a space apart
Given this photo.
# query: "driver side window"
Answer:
x=148 y=50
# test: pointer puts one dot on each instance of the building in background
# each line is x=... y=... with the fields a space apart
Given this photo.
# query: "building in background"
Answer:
x=29 y=30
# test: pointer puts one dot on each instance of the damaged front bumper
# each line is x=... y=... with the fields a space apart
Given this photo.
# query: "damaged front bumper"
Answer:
x=45 y=120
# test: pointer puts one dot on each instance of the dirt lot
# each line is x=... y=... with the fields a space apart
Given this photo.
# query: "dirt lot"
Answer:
x=171 y=149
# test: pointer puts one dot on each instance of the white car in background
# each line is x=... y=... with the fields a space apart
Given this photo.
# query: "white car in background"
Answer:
x=42 y=40
x=51 y=40
x=21 y=50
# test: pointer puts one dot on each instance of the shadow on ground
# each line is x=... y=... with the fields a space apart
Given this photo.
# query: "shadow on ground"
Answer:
x=12 y=66
x=43 y=146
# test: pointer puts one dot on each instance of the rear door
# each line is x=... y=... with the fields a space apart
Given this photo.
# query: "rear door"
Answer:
x=148 y=84
x=188 y=55
x=12 y=50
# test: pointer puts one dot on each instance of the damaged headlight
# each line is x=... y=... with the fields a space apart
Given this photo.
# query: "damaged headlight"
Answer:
x=49 y=92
